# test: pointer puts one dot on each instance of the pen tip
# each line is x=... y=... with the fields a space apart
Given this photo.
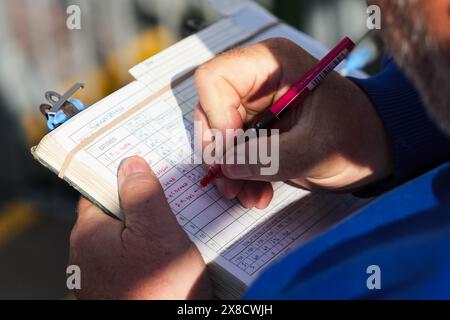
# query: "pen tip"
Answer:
x=207 y=179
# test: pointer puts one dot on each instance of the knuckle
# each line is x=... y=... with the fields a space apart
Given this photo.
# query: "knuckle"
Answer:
x=73 y=239
x=213 y=67
x=202 y=73
x=83 y=205
x=77 y=238
x=75 y=243
x=280 y=42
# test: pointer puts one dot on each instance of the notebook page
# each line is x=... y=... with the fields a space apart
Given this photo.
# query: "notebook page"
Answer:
x=197 y=49
x=193 y=51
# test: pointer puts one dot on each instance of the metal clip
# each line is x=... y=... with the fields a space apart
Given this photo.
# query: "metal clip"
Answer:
x=61 y=108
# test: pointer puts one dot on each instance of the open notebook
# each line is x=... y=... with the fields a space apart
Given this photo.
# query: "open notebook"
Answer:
x=150 y=117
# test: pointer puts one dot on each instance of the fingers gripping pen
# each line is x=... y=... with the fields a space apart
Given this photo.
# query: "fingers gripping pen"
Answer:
x=294 y=96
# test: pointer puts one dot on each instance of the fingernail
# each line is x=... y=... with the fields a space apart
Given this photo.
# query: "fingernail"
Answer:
x=237 y=171
x=133 y=165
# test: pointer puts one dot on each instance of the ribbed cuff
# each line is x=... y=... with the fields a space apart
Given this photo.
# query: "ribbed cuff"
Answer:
x=417 y=145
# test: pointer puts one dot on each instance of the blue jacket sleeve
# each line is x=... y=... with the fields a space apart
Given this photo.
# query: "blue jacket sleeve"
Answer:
x=416 y=143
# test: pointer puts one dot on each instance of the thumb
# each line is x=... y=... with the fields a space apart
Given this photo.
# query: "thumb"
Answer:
x=141 y=196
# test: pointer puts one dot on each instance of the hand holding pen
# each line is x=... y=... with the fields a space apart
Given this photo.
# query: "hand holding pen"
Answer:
x=320 y=140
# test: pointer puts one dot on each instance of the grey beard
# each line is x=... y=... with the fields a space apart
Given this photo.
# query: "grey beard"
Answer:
x=425 y=61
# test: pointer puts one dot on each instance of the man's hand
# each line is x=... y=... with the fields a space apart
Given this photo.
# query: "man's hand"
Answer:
x=335 y=140
x=147 y=256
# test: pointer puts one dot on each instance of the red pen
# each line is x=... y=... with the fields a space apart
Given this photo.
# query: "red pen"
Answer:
x=294 y=96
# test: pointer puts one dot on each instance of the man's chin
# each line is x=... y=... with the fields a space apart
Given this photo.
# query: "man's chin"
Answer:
x=420 y=52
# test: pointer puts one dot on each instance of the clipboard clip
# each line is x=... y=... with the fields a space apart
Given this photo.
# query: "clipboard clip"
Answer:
x=60 y=108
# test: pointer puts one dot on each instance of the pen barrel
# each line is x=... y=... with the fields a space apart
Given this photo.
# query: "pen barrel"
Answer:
x=266 y=120
x=311 y=79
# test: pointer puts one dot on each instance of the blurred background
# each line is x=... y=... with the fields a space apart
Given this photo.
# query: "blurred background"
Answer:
x=39 y=53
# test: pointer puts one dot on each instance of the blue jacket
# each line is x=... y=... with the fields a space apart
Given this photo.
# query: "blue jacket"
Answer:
x=405 y=232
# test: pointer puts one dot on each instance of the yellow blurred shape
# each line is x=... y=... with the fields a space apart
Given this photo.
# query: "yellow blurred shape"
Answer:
x=110 y=76
x=15 y=219
x=104 y=79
